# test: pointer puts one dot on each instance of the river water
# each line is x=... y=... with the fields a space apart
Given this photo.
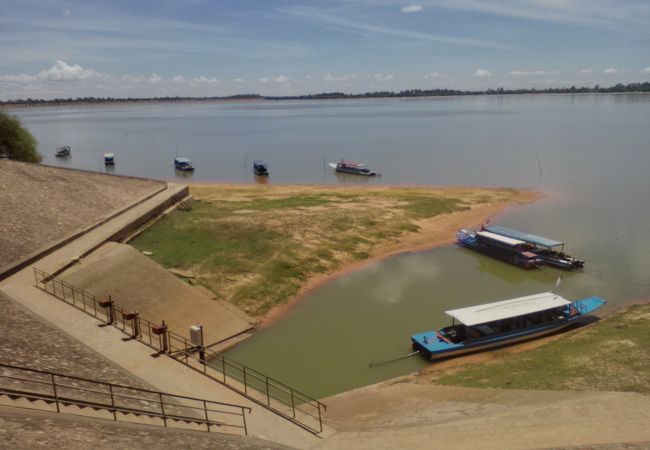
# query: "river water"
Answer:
x=590 y=155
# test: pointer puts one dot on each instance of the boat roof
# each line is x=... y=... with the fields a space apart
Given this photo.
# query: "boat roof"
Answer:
x=108 y=155
x=351 y=163
x=182 y=160
x=522 y=235
x=505 y=309
x=498 y=237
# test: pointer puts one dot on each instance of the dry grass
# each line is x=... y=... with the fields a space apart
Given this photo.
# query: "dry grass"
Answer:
x=258 y=246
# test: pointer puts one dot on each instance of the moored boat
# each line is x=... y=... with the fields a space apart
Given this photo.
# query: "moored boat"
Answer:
x=260 y=168
x=507 y=249
x=481 y=327
x=184 y=164
x=353 y=168
x=551 y=252
x=109 y=159
x=62 y=151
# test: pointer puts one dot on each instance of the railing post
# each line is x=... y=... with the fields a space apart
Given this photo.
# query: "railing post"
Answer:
x=293 y=405
x=320 y=418
x=162 y=409
x=110 y=388
x=243 y=416
x=223 y=365
x=56 y=396
x=207 y=420
x=245 y=384
x=268 y=392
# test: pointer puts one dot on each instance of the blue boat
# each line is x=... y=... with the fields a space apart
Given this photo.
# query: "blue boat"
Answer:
x=478 y=328
x=260 y=168
x=551 y=252
x=514 y=251
x=109 y=159
x=183 y=164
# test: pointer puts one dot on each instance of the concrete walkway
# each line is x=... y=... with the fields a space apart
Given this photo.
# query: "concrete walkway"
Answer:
x=410 y=416
x=163 y=373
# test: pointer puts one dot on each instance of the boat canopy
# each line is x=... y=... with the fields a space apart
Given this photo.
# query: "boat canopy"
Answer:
x=526 y=237
x=498 y=237
x=506 y=309
x=182 y=160
x=109 y=155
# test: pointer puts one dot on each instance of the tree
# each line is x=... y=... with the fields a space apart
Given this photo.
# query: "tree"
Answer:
x=16 y=141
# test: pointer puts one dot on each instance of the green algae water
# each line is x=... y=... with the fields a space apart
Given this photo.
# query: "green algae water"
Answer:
x=590 y=155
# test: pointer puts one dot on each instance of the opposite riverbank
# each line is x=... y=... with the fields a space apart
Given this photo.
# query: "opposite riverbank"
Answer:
x=262 y=247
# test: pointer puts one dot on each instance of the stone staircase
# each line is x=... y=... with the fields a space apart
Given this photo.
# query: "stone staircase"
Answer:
x=49 y=391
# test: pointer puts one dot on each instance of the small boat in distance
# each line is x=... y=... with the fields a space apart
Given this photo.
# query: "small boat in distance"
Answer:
x=184 y=164
x=352 y=168
x=507 y=249
x=260 y=168
x=62 y=151
x=109 y=159
x=481 y=327
x=549 y=251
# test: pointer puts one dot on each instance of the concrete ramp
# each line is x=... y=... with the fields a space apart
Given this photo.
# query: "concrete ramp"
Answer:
x=137 y=283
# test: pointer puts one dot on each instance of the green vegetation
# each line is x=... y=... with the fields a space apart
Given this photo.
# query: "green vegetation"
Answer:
x=257 y=247
x=612 y=354
x=16 y=142
x=618 y=88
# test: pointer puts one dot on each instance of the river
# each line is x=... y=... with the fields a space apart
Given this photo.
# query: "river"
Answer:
x=590 y=155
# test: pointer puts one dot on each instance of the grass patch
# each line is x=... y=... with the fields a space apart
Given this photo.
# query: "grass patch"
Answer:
x=612 y=354
x=255 y=247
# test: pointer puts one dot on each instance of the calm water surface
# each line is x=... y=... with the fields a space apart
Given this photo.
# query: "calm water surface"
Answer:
x=594 y=161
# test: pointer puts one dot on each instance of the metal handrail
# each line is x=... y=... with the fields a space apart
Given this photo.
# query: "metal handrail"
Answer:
x=182 y=350
x=114 y=407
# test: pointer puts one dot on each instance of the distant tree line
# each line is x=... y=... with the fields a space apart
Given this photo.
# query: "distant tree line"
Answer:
x=618 y=88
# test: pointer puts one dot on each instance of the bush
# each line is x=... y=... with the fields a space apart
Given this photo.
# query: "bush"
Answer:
x=16 y=141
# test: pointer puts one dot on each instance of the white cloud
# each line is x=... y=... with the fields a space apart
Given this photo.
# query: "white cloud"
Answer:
x=66 y=13
x=179 y=79
x=238 y=80
x=330 y=77
x=586 y=71
x=265 y=79
x=382 y=77
x=61 y=71
x=154 y=79
x=482 y=73
x=646 y=70
x=534 y=73
x=433 y=75
x=364 y=28
x=610 y=70
x=412 y=9
x=281 y=79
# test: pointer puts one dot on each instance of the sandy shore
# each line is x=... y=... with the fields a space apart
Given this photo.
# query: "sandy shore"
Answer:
x=432 y=232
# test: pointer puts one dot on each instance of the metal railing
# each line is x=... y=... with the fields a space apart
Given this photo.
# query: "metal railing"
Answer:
x=118 y=400
x=274 y=395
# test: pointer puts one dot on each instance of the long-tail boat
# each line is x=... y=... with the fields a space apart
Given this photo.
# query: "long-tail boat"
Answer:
x=481 y=327
x=551 y=252
x=514 y=251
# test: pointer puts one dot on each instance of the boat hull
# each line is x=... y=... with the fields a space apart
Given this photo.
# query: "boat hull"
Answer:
x=483 y=346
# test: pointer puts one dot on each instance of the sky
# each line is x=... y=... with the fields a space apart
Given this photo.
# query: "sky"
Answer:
x=147 y=48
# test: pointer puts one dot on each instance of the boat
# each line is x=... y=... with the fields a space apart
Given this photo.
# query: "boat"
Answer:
x=352 y=168
x=109 y=159
x=514 y=251
x=62 y=151
x=184 y=164
x=551 y=252
x=260 y=168
x=481 y=327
